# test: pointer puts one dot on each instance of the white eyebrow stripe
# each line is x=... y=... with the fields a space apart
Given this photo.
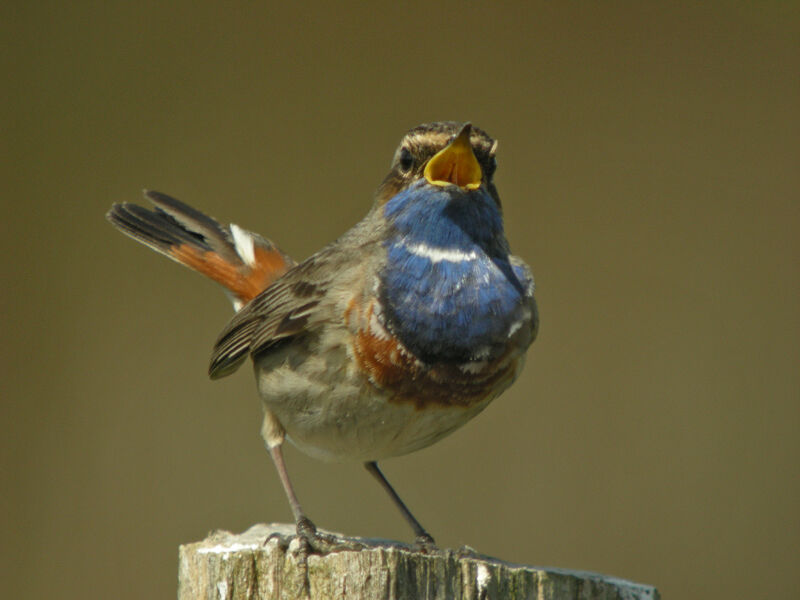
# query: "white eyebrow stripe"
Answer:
x=243 y=244
x=435 y=254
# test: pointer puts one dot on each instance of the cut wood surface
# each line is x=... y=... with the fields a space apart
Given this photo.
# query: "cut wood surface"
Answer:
x=264 y=563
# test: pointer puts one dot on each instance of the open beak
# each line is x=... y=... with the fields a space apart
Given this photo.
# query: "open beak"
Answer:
x=455 y=164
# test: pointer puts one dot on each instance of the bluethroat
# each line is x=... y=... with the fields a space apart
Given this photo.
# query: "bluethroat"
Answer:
x=387 y=339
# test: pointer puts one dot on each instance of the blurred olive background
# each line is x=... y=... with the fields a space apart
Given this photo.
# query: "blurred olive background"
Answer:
x=649 y=173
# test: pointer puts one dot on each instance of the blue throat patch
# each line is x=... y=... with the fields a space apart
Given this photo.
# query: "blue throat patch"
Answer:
x=448 y=290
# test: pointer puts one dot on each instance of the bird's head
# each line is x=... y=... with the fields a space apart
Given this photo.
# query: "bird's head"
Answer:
x=443 y=154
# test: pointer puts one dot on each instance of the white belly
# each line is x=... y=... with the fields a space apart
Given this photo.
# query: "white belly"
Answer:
x=333 y=413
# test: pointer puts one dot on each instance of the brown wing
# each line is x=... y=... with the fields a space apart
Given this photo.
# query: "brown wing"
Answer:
x=280 y=312
x=299 y=301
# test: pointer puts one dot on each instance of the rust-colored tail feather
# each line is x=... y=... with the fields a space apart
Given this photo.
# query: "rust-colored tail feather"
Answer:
x=242 y=262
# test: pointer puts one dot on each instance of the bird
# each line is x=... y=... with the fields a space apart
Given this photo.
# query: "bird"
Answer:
x=387 y=339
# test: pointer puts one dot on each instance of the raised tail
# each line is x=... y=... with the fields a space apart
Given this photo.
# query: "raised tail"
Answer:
x=242 y=262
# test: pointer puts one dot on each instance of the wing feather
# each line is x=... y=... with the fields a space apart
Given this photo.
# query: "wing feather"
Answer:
x=297 y=303
x=278 y=313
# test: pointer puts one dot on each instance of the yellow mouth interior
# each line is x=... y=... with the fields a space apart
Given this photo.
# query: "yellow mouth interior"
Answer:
x=455 y=164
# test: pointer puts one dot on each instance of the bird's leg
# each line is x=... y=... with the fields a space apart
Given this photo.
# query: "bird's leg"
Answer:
x=312 y=540
x=274 y=435
x=304 y=525
x=424 y=539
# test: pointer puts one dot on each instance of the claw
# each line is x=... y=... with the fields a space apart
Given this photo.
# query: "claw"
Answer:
x=314 y=542
x=282 y=543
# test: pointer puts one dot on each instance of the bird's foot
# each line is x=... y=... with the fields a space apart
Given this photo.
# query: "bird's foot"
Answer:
x=315 y=542
x=425 y=543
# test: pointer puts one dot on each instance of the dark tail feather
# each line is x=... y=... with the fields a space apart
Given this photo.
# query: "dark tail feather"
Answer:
x=216 y=236
x=241 y=261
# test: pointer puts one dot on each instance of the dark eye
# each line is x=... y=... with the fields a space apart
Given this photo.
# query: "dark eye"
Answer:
x=406 y=160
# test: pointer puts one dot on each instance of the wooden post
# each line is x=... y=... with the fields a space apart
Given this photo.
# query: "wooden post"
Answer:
x=263 y=563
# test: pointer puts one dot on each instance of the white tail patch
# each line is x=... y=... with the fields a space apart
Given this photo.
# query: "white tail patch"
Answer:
x=244 y=244
x=237 y=304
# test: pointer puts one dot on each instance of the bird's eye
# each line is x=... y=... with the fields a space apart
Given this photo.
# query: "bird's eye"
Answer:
x=406 y=160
